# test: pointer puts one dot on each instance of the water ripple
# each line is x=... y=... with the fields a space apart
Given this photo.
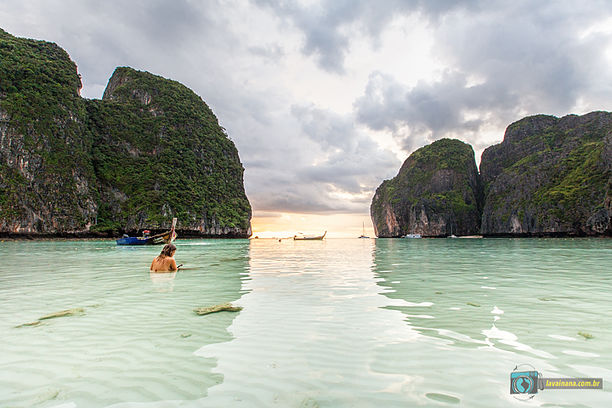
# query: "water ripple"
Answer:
x=336 y=323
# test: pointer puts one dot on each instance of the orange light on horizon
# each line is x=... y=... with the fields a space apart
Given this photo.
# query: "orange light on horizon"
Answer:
x=284 y=225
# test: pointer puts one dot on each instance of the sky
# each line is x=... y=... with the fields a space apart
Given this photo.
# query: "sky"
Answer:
x=326 y=99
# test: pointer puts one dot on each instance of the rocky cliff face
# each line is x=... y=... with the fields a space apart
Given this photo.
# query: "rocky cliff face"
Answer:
x=159 y=152
x=47 y=182
x=149 y=151
x=437 y=192
x=550 y=176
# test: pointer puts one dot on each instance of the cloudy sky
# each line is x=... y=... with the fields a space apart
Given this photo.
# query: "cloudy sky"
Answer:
x=325 y=99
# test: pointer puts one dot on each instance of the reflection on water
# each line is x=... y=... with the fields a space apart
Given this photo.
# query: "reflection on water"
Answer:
x=491 y=304
x=136 y=338
x=309 y=331
x=163 y=281
x=335 y=323
x=475 y=281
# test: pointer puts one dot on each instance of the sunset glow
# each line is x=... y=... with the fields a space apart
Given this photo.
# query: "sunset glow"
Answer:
x=284 y=225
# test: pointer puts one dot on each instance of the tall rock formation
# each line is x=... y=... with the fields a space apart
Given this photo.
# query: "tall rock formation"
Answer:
x=550 y=176
x=159 y=152
x=150 y=150
x=47 y=182
x=437 y=192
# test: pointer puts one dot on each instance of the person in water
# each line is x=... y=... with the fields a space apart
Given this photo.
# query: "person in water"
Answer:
x=165 y=261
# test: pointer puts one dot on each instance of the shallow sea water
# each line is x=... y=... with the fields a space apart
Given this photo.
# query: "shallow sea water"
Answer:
x=334 y=323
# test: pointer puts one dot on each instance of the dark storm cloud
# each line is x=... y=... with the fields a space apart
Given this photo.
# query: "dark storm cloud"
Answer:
x=429 y=111
x=325 y=25
x=525 y=57
x=523 y=60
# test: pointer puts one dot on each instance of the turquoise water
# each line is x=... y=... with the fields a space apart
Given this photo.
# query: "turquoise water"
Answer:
x=335 y=323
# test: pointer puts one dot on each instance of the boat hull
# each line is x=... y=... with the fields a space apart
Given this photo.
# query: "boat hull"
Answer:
x=157 y=240
x=163 y=238
x=308 y=238
x=134 y=241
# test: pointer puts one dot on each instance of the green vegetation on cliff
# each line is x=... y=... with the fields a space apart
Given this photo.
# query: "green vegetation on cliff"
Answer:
x=149 y=150
x=577 y=179
x=161 y=148
x=436 y=192
x=549 y=177
x=38 y=83
x=45 y=166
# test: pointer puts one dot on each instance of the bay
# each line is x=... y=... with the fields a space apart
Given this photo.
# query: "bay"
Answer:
x=334 y=323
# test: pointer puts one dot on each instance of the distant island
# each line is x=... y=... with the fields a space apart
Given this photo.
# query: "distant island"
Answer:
x=549 y=177
x=148 y=151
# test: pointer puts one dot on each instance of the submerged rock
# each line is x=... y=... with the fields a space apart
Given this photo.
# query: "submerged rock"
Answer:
x=437 y=192
x=223 y=307
x=69 y=312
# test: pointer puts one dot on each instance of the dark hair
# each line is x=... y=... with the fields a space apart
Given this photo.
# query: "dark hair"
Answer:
x=167 y=250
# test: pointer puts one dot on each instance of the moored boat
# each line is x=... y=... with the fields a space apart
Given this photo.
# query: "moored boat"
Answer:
x=412 y=236
x=363 y=235
x=302 y=237
x=146 y=239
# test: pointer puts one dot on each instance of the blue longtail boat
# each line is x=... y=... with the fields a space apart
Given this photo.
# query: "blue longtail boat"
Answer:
x=146 y=239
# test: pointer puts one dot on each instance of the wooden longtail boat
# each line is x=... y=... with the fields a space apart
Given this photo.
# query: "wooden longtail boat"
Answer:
x=146 y=239
x=302 y=237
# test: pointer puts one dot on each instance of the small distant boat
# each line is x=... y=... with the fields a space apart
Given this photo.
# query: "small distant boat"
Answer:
x=363 y=235
x=412 y=236
x=146 y=239
x=302 y=237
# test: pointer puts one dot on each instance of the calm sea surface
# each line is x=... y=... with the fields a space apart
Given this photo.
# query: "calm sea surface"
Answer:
x=336 y=323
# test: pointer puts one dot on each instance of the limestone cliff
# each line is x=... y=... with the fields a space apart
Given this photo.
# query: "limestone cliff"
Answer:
x=159 y=152
x=47 y=182
x=550 y=176
x=150 y=150
x=437 y=192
